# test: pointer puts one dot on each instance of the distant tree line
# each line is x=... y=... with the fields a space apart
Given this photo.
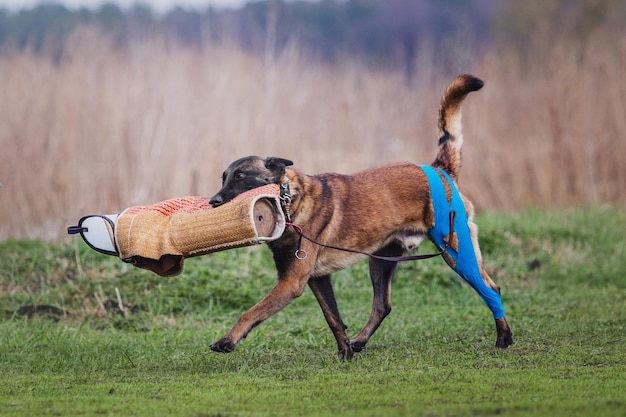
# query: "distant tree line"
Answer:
x=379 y=31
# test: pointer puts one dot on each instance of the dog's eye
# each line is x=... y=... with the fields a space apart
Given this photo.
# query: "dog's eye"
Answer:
x=240 y=175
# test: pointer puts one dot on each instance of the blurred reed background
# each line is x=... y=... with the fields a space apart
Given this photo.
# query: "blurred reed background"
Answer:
x=102 y=127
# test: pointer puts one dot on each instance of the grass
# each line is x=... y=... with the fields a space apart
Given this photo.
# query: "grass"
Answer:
x=564 y=293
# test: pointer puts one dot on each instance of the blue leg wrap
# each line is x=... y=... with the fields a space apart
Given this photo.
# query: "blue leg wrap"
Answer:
x=466 y=262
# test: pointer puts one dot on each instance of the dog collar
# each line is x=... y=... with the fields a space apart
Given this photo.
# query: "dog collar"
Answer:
x=285 y=196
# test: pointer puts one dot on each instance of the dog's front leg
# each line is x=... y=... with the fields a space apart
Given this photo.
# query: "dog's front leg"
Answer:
x=282 y=294
x=381 y=274
x=292 y=278
x=322 y=288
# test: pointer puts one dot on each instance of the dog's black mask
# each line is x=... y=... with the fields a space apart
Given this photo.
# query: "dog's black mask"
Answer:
x=247 y=173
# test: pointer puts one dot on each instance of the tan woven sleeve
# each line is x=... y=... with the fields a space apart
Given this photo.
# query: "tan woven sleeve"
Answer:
x=190 y=226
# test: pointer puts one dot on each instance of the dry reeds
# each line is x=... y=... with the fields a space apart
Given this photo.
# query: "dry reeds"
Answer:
x=104 y=129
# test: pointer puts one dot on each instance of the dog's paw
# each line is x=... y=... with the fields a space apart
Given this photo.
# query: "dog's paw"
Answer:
x=357 y=345
x=504 y=341
x=505 y=336
x=345 y=354
x=223 y=346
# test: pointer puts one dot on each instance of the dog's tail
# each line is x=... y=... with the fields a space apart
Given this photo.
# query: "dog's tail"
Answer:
x=451 y=140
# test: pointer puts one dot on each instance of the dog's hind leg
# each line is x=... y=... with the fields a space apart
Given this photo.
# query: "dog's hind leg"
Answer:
x=381 y=274
x=469 y=265
x=462 y=251
x=504 y=336
x=322 y=288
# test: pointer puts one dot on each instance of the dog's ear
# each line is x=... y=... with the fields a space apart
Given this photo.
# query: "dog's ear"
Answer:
x=276 y=164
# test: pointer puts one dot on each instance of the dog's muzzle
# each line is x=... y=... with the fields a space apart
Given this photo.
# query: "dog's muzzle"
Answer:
x=216 y=201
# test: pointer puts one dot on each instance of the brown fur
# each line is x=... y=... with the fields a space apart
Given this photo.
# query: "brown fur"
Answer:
x=386 y=211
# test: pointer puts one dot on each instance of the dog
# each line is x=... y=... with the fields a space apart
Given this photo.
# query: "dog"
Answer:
x=384 y=211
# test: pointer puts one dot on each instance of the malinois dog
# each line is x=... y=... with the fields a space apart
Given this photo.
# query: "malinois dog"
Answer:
x=384 y=211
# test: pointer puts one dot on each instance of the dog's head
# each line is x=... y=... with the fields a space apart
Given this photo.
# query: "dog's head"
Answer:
x=247 y=173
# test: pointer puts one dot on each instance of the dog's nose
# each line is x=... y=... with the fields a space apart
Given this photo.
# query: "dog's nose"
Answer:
x=216 y=200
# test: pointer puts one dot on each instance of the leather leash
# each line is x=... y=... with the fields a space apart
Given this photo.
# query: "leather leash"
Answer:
x=301 y=254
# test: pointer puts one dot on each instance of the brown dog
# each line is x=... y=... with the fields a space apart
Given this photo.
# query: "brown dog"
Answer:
x=385 y=211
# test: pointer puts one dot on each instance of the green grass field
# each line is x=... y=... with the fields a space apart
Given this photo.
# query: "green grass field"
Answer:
x=66 y=349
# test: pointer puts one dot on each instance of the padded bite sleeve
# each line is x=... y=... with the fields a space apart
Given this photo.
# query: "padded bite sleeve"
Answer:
x=160 y=236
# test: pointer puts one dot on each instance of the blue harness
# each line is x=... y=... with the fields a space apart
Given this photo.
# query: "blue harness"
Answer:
x=466 y=262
